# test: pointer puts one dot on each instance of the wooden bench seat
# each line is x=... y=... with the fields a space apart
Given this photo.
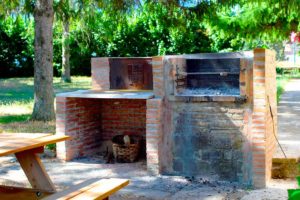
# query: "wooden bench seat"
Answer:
x=91 y=189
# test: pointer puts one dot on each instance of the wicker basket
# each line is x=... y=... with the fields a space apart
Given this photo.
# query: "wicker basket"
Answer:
x=126 y=153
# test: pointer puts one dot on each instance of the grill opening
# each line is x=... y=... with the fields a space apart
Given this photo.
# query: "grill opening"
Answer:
x=218 y=76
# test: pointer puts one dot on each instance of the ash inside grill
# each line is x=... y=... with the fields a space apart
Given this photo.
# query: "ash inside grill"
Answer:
x=218 y=76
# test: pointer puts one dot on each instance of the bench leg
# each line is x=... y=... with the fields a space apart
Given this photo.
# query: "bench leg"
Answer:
x=34 y=170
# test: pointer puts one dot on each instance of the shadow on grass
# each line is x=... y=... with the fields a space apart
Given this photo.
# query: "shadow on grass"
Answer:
x=14 y=118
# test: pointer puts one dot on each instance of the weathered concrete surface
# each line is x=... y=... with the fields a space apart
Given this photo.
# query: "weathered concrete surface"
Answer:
x=208 y=140
x=142 y=186
x=289 y=121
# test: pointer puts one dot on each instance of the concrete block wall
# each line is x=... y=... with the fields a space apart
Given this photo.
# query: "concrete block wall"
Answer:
x=208 y=140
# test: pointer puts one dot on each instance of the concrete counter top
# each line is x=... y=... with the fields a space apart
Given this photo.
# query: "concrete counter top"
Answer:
x=110 y=94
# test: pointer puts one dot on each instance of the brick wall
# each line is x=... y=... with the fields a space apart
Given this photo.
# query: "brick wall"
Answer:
x=100 y=74
x=271 y=108
x=158 y=76
x=90 y=122
x=231 y=139
x=123 y=116
x=113 y=73
x=264 y=98
x=78 y=118
x=217 y=136
x=202 y=137
x=154 y=135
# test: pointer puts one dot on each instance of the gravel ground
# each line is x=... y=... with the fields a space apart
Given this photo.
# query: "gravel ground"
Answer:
x=142 y=185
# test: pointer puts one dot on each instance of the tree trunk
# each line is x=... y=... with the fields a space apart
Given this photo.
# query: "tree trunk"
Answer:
x=43 y=61
x=65 y=76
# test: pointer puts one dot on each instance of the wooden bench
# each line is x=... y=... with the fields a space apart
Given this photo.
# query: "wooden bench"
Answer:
x=91 y=189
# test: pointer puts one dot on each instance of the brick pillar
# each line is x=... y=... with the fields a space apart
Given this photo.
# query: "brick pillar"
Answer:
x=62 y=106
x=153 y=134
x=264 y=91
x=100 y=74
x=158 y=76
x=80 y=119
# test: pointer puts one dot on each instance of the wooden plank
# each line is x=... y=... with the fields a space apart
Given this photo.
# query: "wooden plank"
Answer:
x=18 y=193
x=73 y=190
x=35 y=171
x=23 y=135
x=91 y=189
x=14 y=140
x=21 y=144
x=102 y=190
x=37 y=150
x=20 y=137
x=10 y=146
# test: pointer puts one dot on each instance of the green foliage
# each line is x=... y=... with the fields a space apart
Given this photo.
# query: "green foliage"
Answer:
x=125 y=28
x=294 y=194
x=152 y=30
x=254 y=22
x=16 y=44
x=148 y=30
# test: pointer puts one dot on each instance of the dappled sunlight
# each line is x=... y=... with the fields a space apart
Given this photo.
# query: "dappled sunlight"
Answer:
x=288 y=121
x=16 y=109
x=29 y=127
x=16 y=103
x=283 y=184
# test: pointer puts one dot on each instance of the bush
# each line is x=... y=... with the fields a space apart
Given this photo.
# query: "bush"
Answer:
x=16 y=57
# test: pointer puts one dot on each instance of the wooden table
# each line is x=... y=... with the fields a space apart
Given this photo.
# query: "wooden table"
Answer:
x=26 y=146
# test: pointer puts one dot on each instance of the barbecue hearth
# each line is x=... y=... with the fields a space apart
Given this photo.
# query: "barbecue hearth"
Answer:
x=199 y=114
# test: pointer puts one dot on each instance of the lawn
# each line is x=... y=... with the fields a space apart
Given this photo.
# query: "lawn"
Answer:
x=281 y=82
x=16 y=103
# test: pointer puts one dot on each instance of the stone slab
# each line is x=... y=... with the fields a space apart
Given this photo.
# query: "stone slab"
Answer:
x=109 y=94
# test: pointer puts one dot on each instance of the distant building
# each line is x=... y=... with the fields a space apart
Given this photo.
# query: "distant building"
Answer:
x=291 y=52
x=291 y=56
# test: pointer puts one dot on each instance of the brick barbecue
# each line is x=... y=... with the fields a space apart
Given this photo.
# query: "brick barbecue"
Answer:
x=211 y=115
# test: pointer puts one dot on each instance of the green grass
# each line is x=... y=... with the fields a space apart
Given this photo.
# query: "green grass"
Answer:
x=283 y=78
x=281 y=82
x=14 y=118
x=16 y=103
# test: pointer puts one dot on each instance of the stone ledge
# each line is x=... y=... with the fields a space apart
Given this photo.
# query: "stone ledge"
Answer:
x=108 y=94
